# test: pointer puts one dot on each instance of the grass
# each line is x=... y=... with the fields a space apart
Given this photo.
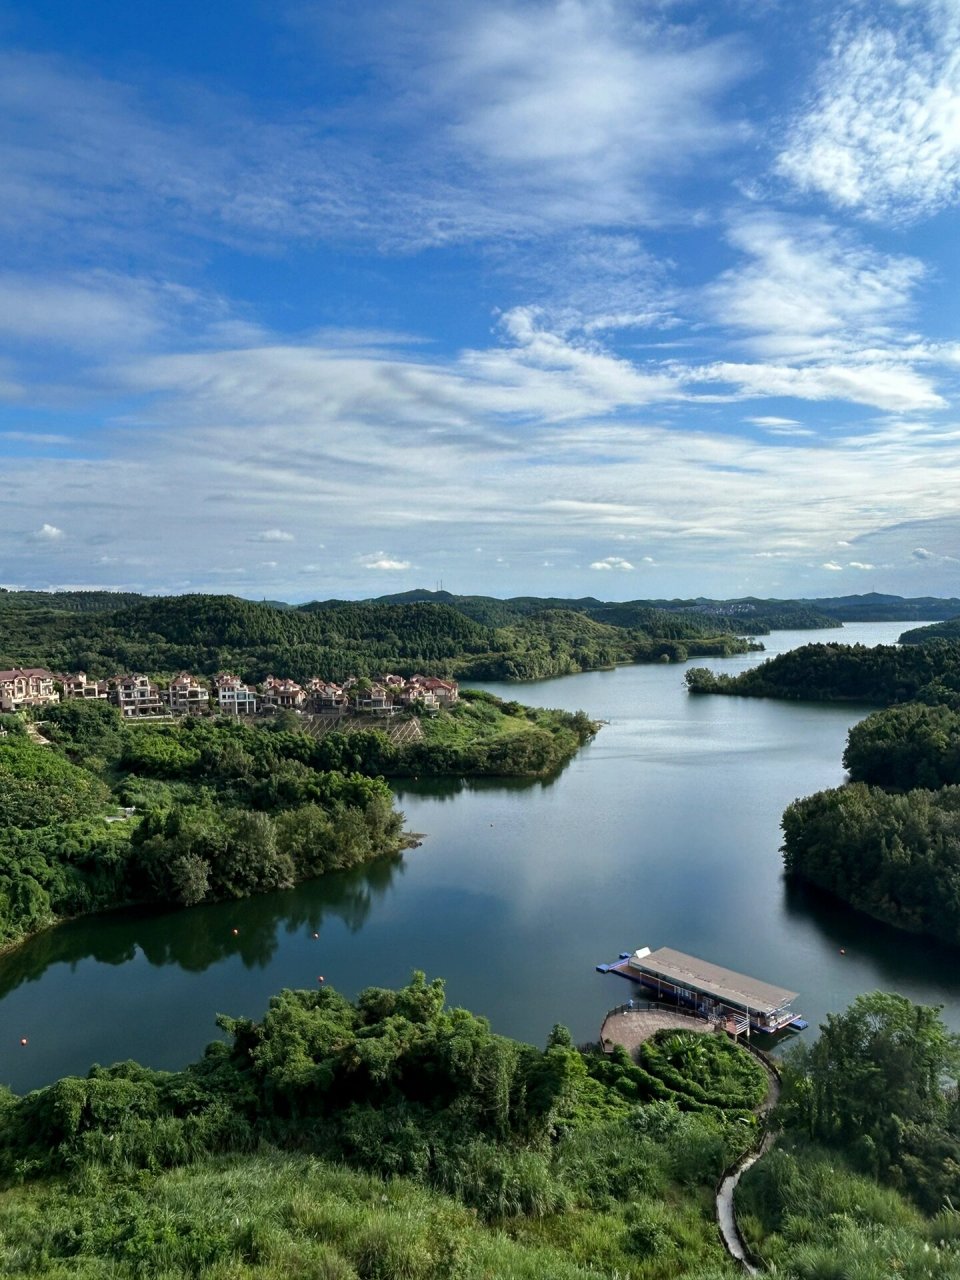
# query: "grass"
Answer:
x=267 y=1217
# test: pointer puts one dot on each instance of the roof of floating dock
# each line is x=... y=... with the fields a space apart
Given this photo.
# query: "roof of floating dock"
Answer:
x=687 y=971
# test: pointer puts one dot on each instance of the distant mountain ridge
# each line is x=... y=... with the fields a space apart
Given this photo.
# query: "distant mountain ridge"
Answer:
x=872 y=606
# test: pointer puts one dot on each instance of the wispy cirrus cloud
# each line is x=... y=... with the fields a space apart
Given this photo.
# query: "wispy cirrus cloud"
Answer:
x=890 y=386
x=807 y=289
x=503 y=120
x=95 y=311
x=881 y=132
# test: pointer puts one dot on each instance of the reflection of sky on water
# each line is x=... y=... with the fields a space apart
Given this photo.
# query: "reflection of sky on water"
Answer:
x=664 y=831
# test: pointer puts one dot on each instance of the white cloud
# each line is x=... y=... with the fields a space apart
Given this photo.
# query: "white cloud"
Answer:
x=503 y=119
x=96 y=310
x=859 y=564
x=922 y=553
x=807 y=290
x=773 y=422
x=882 y=132
x=579 y=101
x=893 y=387
x=832 y=566
x=244 y=436
x=380 y=560
x=614 y=562
x=273 y=535
x=48 y=533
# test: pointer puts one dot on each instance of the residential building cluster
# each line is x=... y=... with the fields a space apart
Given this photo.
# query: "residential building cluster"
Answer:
x=226 y=694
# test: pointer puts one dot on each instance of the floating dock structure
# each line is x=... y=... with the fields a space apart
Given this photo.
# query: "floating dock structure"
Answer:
x=712 y=991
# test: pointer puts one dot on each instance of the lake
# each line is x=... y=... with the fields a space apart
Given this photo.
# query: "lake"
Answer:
x=664 y=831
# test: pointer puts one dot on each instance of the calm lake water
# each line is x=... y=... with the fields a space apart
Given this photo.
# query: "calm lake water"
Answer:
x=663 y=832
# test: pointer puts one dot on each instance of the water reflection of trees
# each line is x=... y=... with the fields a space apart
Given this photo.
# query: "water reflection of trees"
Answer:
x=450 y=788
x=197 y=938
x=898 y=956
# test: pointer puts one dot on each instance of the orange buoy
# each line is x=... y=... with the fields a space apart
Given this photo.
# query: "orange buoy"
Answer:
x=23 y=1040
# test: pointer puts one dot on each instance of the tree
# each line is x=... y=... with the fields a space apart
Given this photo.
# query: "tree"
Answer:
x=874 y=1082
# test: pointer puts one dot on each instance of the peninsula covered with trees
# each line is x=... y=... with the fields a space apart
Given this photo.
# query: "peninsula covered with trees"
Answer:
x=888 y=842
x=108 y=812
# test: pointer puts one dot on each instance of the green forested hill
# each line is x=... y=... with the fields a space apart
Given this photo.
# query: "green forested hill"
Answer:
x=209 y=633
x=67 y=601
x=880 y=674
x=677 y=619
x=948 y=630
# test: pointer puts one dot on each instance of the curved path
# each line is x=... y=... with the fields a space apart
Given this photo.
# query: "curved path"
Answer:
x=726 y=1214
x=629 y=1025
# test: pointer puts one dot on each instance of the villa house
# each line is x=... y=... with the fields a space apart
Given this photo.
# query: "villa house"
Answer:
x=326 y=696
x=446 y=692
x=412 y=693
x=187 y=695
x=432 y=691
x=234 y=698
x=282 y=695
x=79 y=685
x=137 y=695
x=26 y=687
x=377 y=699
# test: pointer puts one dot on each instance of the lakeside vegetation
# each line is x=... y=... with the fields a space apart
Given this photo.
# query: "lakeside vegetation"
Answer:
x=948 y=630
x=879 y=675
x=888 y=842
x=865 y=1177
x=112 y=812
x=394 y=1138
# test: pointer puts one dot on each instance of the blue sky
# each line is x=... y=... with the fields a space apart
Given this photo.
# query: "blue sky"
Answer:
x=626 y=299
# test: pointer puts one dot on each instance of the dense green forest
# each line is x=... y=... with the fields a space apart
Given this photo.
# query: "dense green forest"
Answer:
x=894 y=856
x=751 y=614
x=677 y=619
x=471 y=637
x=223 y=808
x=394 y=1138
x=880 y=674
x=949 y=630
x=888 y=843
x=206 y=634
